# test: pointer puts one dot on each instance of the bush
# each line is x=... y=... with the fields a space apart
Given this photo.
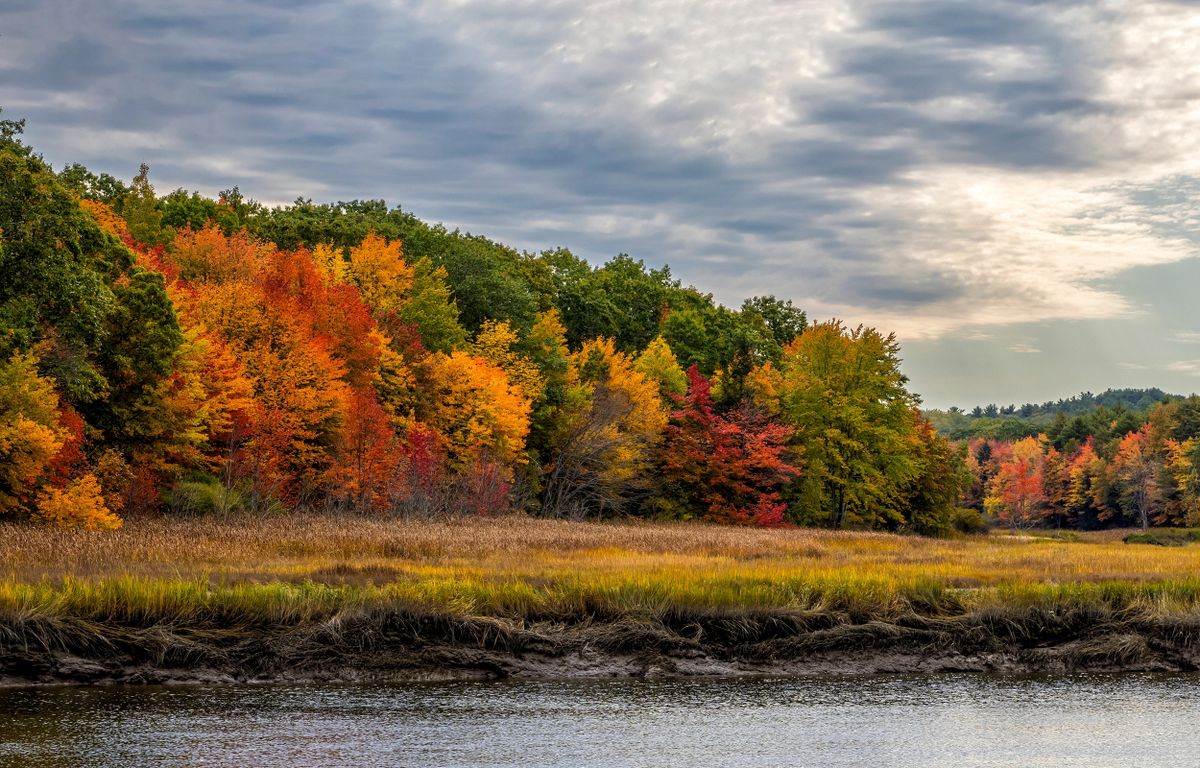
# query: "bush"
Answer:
x=968 y=521
x=204 y=495
x=1164 y=537
x=79 y=505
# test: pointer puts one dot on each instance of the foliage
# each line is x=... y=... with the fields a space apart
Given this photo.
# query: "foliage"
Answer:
x=729 y=468
x=496 y=342
x=854 y=425
x=208 y=355
x=474 y=405
x=30 y=434
x=79 y=505
x=657 y=362
x=603 y=436
x=1017 y=494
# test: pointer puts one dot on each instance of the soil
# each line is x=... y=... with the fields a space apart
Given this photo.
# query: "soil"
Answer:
x=383 y=648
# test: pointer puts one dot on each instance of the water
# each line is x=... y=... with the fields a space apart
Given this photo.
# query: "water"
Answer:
x=1130 y=720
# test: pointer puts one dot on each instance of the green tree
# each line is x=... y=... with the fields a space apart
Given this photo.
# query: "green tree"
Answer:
x=784 y=320
x=142 y=211
x=104 y=188
x=431 y=308
x=657 y=362
x=844 y=396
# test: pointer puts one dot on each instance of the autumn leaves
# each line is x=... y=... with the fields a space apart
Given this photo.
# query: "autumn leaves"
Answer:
x=200 y=367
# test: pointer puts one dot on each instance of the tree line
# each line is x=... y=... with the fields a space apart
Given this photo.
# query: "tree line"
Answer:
x=1112 y=468
x=188 y=355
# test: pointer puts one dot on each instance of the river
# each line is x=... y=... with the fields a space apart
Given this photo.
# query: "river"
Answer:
x=1111 y=720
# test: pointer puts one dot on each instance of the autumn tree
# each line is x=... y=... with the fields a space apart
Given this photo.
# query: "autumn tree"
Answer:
x=1183 y=464
x=368 y=456
x=30 y=434
x=472 y=403
x=602 y=441
x=378 y=268
x=1056 y=484
x=496 y=342
x=1087 y=486
x=1135 y=469
x=842 y=393
x=1016 y=494
x=657 y=362
x=727 y=469
x=80 y=504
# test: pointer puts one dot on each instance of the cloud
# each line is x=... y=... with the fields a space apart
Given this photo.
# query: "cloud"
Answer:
x=1024 y=349
x=1186 y=337
x=1188 y=367
x=932 y=167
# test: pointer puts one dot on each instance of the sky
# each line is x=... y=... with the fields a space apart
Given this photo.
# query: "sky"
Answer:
x=1011 y=187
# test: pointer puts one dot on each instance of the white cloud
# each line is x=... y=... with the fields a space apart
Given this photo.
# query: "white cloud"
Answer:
x=1188 y=367
x=1024 y=349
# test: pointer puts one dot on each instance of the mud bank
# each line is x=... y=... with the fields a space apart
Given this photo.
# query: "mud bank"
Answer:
x=387 y=646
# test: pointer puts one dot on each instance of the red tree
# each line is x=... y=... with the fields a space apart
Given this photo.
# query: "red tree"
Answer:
x=732 y=467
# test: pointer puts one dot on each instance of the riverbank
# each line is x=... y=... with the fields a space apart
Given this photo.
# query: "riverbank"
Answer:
x=317 y=598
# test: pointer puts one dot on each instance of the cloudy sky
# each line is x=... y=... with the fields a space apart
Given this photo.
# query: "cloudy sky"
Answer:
x=1012 y=187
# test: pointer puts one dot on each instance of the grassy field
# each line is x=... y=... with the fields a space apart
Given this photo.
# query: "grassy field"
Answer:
x=300 y=569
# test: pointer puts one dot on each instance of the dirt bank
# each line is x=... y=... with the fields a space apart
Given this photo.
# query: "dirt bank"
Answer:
x=394 y=646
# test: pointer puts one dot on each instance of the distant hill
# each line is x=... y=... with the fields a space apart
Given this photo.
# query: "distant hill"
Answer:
x=1012 y=422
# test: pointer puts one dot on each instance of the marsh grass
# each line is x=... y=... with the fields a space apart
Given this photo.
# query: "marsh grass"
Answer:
x=304 y=570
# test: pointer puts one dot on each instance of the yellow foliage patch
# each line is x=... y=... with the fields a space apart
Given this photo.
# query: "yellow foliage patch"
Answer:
x=79 y=505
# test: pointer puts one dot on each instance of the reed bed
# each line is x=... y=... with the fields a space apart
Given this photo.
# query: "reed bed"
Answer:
x=297 y=570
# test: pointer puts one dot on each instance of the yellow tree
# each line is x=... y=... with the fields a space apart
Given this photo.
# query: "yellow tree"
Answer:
x=496 y=343
x=378 y=268
x=764 y=384
x=604 y=435
x=80 y=504
x=658 y=363
x=1183 y=464
x=475 y=407
x=30 y=434
x=330 y=264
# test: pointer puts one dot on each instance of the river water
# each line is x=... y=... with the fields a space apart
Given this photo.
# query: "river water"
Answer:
x=1120 y=720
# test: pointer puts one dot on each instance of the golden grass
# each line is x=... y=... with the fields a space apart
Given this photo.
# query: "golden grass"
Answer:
x=297 y=569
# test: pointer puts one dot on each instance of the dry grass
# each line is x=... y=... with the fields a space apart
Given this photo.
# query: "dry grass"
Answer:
x=306 y=567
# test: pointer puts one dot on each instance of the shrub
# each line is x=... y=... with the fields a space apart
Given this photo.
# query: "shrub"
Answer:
x=79 y=505
x=968 y=521
x=1164 y=537
x=204 y=495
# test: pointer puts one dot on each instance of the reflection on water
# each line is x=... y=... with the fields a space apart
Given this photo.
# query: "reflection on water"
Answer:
x=1133 y=720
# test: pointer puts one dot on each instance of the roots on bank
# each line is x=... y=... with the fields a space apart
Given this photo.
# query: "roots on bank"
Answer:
x=348 y=598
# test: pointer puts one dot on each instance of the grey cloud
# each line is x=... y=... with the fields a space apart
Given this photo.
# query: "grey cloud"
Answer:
x=343 y=101
x=895 y=291
x=976 y=23
x=73 y=63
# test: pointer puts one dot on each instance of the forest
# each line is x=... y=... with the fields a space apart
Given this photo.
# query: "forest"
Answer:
x=184 y=355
